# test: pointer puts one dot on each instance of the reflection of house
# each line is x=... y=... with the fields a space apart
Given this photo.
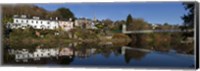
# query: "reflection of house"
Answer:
x=37 y=54
x=85 y=53
x=43 y=56
x=66 y=52
x=25 y=55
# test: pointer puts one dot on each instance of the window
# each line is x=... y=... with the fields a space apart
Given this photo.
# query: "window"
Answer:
x=48 y=22
x=22 y=21
x=32 y=21
x=26 y=21
x=36 y=22
x=41 y=22
x=16 y=20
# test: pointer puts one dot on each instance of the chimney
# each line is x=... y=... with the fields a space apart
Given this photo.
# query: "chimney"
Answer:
x=23 y=16
x=70 y=19
x=35 y=17
x=15 y=16
x=56 y=18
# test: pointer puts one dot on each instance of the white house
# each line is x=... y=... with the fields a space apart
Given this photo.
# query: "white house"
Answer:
x=37 y=23
x=24 y=22
x=154 y=26
x=66 y=25
x=85 y=23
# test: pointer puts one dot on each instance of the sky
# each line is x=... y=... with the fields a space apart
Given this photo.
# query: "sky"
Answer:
x=152 y=12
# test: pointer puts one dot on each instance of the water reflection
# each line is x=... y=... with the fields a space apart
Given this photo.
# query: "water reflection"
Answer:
x=140 y=52
x=39 y=54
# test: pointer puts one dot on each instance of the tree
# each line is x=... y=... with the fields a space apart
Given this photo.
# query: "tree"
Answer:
x=189 y=17
x=64 y=13
x=138 y=24
x=129 y=20
x=107 y=22
x=166 y=24
x=118 y=24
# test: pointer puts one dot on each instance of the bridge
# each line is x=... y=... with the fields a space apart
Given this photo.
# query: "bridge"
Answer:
x=124 y=27
x=124 y=48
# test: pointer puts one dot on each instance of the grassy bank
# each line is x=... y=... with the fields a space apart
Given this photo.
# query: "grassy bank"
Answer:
x=32 y=36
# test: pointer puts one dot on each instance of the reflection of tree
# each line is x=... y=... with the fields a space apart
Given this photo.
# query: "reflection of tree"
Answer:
x=134 y=54
x=117 y=51
x=185 y=48
x=65 y=60
x=106 y=53
x=83 y=53
x=162 y=42
x=159 y=42
x=139 y=40
x=6 y=56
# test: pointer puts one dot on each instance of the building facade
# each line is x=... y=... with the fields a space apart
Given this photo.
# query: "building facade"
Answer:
x=85 y=23
x=35 y=22
x=24 y=22
x=66 y=25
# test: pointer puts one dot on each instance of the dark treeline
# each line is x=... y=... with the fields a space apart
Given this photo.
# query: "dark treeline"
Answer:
x=8 y=11
x=32 y=10
x=188 y=18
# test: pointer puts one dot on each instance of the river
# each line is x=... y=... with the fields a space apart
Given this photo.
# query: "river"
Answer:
x=145 y=50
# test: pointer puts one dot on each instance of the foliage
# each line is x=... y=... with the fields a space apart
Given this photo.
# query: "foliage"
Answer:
x=29 y=10
x=84 y=33
x=32 y=10
x=99 y=26
x=138 y=24
x=64 y=13
x=189 y=17
x=120 y=36
x=129 y=20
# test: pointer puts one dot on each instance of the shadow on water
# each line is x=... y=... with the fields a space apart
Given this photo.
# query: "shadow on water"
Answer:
x=144 y=50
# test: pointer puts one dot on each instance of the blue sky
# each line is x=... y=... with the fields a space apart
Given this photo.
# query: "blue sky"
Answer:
x=152 y=12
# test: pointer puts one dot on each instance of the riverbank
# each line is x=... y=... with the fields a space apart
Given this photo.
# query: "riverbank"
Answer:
x=116 y=38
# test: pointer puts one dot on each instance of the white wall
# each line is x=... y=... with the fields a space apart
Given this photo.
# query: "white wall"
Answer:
x=38 y=24
x=66 y=25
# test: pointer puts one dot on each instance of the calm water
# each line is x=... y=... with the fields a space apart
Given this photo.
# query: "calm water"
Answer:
x=135 y=54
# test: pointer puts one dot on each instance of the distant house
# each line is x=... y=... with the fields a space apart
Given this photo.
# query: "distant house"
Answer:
x=85 y=23
x=66 y=25
x=154 y=26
